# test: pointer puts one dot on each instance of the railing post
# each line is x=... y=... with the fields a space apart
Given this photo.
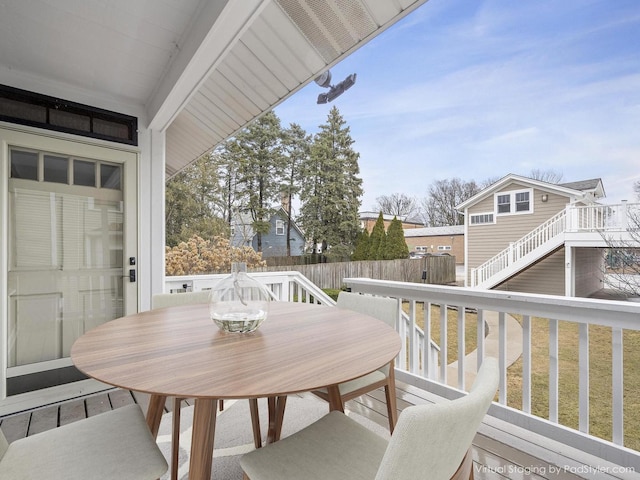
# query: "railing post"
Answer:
x=511 y=257
x=571 y=220
x=624 y=216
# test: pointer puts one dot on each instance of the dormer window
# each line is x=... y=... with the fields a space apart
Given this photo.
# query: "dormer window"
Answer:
x=522 y=202
x=514 y=202
x=504 y=203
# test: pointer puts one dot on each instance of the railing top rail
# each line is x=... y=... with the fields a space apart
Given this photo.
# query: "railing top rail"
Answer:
x=290 y=273
x=604 y=206
x=612 y=313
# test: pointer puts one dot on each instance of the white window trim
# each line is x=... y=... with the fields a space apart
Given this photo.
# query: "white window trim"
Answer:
x=481 y=214
x=280 y=227
x=512 y=202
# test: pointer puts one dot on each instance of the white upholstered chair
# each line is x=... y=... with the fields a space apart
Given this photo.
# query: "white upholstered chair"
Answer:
x=115 y=444
x=387 y=310
x=429 y=441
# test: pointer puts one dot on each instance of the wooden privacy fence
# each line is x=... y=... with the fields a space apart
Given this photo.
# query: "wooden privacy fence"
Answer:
x=437 y=270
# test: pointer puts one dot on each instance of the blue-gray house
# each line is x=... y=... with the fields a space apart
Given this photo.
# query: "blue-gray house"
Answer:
x=274 y=243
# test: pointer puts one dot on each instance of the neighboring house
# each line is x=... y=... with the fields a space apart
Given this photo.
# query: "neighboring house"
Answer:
x=437 y=240
x=369 y=219
x=531 y=236
x=274 y=243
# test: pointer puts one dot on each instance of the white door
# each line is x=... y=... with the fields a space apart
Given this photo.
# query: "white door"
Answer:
x=71 y=252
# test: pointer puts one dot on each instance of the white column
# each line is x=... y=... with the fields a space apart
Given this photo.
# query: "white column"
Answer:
x=151 y=193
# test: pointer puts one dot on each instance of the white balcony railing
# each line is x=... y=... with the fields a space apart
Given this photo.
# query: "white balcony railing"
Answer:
x=558 y=314
x=549 y=235
x=284 y=286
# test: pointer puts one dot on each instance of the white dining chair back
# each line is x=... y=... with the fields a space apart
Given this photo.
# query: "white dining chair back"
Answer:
x=387 y=310
x=382 y=308
x=161 y=300
x=436 y=438
x=430 y=441
x=115 y=444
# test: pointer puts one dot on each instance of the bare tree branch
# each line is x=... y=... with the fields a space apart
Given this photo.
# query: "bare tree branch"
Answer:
x=622 y=262
x=398 y=204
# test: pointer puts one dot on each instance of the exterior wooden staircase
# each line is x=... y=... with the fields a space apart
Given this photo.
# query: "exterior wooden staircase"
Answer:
x=596 y=224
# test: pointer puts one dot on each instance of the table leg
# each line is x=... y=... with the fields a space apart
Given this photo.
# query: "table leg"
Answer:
x=276 y=417
x=255 y=422
x=335 y=399
x=175 y=438
x=204 y=427
x=154 y=413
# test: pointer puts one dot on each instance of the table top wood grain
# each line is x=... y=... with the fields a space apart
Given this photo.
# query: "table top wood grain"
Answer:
x=178 y=351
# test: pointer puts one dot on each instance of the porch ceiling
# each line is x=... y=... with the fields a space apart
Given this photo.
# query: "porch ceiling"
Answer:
x=201 y=69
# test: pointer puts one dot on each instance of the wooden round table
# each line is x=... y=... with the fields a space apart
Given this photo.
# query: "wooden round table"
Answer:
x=179 y=352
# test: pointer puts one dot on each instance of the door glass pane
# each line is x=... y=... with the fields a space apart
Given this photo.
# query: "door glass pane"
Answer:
x=110 y=176
x=55 y=169
x=84 y=173
x=24 y=165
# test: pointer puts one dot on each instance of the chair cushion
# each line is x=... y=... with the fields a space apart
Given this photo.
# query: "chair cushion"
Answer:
x=116 y=444
x=334 y=447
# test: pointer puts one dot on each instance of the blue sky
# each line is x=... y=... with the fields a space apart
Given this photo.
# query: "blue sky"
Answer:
x=478 y=89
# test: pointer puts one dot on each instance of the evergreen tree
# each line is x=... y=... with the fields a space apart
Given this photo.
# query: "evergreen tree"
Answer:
x=396 y=245
x=297 y=146
x=332 y=189
x=382 y=248
x=362 y=246
x=376 y=239
x=228 y=179
x=257 y=150
x=192 y=203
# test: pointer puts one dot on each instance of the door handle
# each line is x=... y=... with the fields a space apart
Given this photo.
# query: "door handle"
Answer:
x=131 y=276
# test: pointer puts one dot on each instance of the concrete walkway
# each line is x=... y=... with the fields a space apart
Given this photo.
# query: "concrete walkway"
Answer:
x=491 y=349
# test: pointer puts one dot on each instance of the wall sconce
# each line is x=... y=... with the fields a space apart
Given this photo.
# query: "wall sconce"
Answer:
x=545 y=197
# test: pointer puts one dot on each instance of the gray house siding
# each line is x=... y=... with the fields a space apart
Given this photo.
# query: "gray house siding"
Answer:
x=274 y=244
x=545 y=277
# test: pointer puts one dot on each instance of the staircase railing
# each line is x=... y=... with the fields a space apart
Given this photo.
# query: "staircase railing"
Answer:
x=517 y=250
